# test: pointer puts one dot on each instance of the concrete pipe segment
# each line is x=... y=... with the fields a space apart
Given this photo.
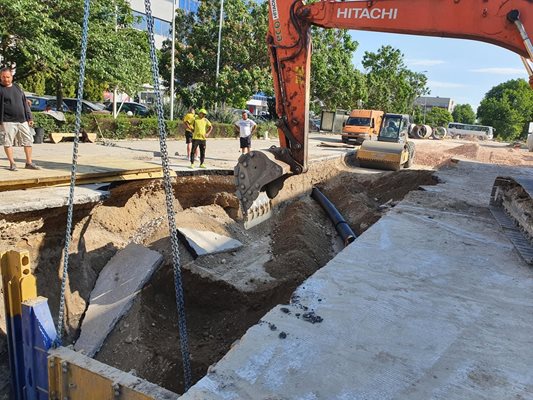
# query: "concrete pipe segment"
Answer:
x=422 y=131
x=439 y=133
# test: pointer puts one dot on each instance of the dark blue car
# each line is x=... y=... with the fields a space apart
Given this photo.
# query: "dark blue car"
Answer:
x=39 y=103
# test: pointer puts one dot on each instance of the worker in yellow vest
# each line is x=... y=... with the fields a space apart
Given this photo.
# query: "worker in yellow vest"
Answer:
x=202 y=129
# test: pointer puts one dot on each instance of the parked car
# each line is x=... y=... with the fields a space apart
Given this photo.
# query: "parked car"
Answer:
x=40 y=103
x=256 y=118
x=129 y=106
x=87 y=107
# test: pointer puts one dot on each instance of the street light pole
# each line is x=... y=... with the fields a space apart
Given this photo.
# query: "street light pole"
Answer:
x=425 y=100
x=172 y=56
x=219 y=44
x=115 y=89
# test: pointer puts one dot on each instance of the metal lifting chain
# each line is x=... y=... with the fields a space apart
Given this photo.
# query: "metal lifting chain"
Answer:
x=68 y=234
x=169 y=195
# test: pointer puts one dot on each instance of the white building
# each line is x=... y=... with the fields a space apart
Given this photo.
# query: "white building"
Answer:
x=427 y=103
x=162 y=14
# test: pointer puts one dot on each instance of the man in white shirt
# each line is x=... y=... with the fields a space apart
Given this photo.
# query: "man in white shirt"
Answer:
x=246 y=127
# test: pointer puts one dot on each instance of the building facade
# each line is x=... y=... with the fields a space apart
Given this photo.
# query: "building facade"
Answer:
x=162 y=14
x=427 y=103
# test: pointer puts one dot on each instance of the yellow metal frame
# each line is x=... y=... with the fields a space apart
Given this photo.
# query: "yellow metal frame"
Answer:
x=18 y=281
x=75 y=376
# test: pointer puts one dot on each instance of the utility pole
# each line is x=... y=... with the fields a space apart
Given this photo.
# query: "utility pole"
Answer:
x=172 y=56
x=221 y=19
x=115 y=90
x=425 y=100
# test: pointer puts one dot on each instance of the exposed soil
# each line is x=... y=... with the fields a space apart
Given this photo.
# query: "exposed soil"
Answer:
x=225 y=293
x=439 y=153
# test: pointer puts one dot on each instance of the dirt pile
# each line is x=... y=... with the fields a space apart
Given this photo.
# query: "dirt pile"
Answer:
x=363 y=199
x=469 y=150
x=436 y=154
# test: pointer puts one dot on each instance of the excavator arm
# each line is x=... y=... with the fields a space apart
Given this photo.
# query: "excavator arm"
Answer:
x=505 y=23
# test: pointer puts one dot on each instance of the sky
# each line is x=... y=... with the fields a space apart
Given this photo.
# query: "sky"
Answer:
x=461 y=69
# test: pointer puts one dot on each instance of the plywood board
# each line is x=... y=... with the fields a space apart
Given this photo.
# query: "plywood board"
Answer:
x=89 y=170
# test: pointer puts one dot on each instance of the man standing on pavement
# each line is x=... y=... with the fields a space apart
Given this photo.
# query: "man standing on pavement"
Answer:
x=188 y=121
x=245 y=127
x=202 y=129
x=15 y=119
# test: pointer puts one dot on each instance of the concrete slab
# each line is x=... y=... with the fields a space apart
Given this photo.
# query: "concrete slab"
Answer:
x=432 y=302
x=117 y=285
x=252 y=265
x=201 y=243
x=16 y=201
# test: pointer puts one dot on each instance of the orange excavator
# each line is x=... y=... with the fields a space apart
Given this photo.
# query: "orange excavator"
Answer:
x=259 y=175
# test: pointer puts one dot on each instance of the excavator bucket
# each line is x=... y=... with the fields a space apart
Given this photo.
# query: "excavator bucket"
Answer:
x=258 y=178
x=512 y=207
x=382 y=155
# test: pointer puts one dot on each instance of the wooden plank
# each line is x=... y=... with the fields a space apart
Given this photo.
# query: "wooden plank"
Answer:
x=57 y=137
x=91 y=169
x=82 y=179
x=90 y=137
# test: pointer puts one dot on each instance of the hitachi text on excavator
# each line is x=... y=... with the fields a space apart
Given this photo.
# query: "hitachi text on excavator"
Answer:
x=259 y=175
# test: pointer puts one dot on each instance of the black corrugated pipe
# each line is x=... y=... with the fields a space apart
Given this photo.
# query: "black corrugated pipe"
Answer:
x=341 y=225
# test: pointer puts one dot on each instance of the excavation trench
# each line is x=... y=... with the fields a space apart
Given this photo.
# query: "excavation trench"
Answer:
x=225 y=293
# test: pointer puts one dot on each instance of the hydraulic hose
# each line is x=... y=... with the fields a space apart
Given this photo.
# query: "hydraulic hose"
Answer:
x=335 y=216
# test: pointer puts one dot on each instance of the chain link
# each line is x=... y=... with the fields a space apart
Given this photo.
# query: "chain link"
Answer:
x=169 y=195
x=68 y=234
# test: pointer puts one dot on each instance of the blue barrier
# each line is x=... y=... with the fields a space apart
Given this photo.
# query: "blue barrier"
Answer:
x=39 y=335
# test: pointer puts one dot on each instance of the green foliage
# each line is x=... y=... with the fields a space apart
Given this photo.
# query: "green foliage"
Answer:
x=438 y=117
x=508 y=107
x=244 y=65
x=269 y=127
x=335 y=82
x=223 y=116
x=43 y=38
x=179 y=110
x=391 y=86
x=35 y=83
x=464 y=113
x=49 y=124
x=94 y=90
x=418 y=114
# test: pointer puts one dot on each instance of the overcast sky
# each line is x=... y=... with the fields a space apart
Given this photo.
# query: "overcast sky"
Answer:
x=464 y=70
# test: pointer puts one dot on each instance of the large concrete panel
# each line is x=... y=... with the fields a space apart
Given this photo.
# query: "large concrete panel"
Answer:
x=117 y=285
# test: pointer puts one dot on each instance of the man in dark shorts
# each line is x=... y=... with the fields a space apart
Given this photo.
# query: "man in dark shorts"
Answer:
x=202 y=129
x=15 y=119
x=245 y=127
x=188 y=121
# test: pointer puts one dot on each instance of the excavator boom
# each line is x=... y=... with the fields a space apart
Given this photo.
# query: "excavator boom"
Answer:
x=505 y=23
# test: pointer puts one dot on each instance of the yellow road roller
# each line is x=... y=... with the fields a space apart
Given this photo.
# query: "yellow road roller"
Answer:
x=392 y=150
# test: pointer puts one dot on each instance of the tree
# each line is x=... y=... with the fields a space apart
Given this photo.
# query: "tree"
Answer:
x=391 y=86
x=438 y=117
x=464 y=113
x=244 y=65
x=508 y=107
x=335 y=82
x=45 y=40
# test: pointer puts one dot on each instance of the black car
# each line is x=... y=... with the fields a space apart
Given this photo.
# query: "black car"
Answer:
x=129 y=106
x=87 y=107
x=40 y=103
